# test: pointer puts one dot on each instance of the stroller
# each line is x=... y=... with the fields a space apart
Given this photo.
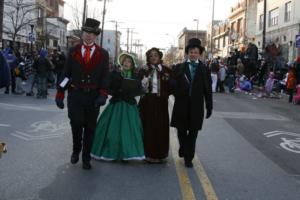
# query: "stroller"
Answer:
x=296 y=98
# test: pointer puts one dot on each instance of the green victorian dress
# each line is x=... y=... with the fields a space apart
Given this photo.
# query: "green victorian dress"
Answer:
x=119 y=129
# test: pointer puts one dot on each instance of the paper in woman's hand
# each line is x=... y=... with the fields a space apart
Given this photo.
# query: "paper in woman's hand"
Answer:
x=131 y=87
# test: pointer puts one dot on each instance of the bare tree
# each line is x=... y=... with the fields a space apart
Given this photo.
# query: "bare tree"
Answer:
x=19 y=15
x=170 y=56
x=76 y=23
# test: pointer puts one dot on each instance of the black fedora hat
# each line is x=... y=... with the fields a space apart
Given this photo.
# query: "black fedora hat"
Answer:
x=91 y=26
x=194 y=43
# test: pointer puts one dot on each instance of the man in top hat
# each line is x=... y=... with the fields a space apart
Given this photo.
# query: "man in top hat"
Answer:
x=85 y=78
x=191 y=83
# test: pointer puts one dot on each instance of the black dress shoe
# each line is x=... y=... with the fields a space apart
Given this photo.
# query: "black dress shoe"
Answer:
x=188 y=164
x=74 y=158
x=86 y=165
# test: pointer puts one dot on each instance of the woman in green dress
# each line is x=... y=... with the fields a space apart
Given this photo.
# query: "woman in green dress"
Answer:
x=119 y=130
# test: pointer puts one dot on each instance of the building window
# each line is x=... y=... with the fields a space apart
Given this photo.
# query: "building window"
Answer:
x=226 y=40
x=261 y=22
x=239 y=24
x=221 y=43
x=55 y=43
x=287 y=11
x=284 y=38
x=216 y=44
x=233 y=27
x=273 y=17
x=40 y=13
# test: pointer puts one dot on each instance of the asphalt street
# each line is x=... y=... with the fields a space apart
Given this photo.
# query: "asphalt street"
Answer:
x=248 y=149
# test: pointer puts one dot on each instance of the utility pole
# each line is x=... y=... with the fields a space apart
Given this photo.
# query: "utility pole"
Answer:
x=116 y=45
x=1 y=20
x=128 y=40
x=212 y=28
x=131 y=40
x=31 y=40
x=103 y=18
x=84 y=12
x=264 y=27
x=197 y=20
x=117 y=40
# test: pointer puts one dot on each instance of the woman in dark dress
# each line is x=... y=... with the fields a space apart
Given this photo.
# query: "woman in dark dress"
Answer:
x=153 y=107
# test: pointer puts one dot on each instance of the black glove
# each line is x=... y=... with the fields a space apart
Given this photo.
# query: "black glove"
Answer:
x=208 y=113
x=59 y=103
x=100 y=101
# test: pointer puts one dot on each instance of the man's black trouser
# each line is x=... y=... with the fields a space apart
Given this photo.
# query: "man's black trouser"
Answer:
x=83 y=117
x=187 y=143
x=13 y=81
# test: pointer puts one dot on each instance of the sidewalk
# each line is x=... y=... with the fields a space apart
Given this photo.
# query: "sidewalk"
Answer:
x=259 y=92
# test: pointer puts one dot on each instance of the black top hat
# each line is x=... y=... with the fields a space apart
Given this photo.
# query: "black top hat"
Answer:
x=194 y=43
x=91 y=26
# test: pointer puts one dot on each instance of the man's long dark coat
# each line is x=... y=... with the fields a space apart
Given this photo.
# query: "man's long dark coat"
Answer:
x=188 y=110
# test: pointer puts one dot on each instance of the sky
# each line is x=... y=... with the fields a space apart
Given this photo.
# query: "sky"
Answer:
x=156 y=23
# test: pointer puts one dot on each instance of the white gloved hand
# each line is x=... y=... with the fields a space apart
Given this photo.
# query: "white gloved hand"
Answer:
x=145 y=82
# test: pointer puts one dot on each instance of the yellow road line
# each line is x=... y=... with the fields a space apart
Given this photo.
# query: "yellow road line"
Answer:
x=204 y=180
x=184 y=181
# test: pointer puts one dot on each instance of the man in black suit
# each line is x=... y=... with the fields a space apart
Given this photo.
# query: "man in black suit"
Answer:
x=191 y=83
x=85 y=78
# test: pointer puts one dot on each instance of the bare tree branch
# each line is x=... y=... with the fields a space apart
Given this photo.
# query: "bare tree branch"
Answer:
x=18 y=13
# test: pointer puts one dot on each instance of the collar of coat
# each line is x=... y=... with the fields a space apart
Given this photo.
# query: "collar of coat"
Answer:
x=95 y=59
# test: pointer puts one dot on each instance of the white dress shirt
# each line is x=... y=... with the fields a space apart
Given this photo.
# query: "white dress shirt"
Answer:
x=190 y=66
x=155 y=79
x=92 y=50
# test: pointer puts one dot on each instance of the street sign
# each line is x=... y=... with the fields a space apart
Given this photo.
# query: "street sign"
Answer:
x=31 y=37
x=297 y=41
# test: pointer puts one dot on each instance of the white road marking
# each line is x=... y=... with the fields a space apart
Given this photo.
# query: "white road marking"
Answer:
x=288 y=144
x=248 y=115
x=275 y=133
x=50 y=108
x=28 y=137
x=291 y=145
x=5 y=125
x=42 y=127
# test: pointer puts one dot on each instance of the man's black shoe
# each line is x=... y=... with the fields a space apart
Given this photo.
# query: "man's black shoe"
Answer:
x=86 y=165
x=74 y=158
x=188 y=164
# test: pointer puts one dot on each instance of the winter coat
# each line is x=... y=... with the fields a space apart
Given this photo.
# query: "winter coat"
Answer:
x=291 y=79
x=298 y=73
x=42 y=66
x=4 y=72
x=188 y=110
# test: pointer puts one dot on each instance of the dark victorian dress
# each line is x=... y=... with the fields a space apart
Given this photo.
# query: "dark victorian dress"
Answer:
x=154 y=113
